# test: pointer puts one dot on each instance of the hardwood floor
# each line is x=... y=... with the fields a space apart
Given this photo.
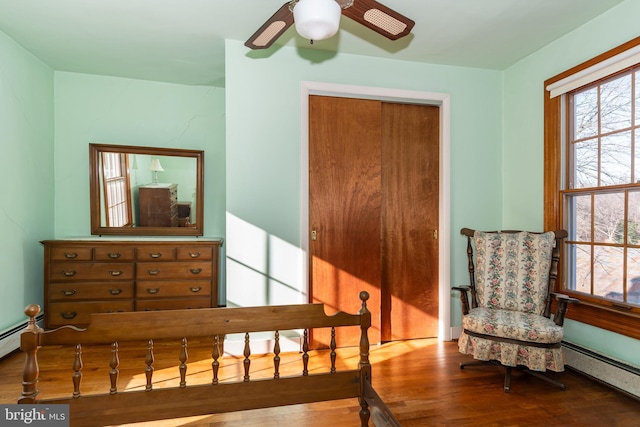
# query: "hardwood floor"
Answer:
x=420 y=380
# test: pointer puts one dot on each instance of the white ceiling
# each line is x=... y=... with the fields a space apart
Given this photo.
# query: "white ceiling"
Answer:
x=182 y=41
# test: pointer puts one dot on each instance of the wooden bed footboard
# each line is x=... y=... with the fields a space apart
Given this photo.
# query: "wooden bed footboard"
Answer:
x=121 y=407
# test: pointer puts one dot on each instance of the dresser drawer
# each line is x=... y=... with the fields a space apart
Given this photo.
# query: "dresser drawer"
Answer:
x=73 y=291
x=82 y=271
x=113 y=253
x=194 y=253
x=174 y=270
x=155 y=253
x=173 y=288
x=70 y=253
x=79 y=313
x=172 y=304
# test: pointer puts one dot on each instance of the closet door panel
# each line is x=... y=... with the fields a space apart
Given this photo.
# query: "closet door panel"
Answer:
x=344 y=211
x=410 y=201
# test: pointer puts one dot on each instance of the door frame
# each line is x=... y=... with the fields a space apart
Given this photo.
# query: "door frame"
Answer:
x=442 y=100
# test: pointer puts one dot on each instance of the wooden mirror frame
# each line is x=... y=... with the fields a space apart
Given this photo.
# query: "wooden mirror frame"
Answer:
x=97 y=228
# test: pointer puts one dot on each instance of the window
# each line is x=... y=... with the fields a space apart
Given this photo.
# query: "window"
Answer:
x=117 y=195
x=592 y=186
x=601 y=199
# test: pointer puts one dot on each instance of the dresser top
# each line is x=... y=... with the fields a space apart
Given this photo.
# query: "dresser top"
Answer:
x=93 y=240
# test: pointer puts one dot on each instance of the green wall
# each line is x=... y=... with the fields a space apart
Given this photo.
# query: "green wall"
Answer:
x=523 y=141
x=264 y=156
x=113 y=110
x=26 y=168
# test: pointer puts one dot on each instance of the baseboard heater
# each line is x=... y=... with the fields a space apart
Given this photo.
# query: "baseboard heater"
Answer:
x=614 y=373
x=10 y=338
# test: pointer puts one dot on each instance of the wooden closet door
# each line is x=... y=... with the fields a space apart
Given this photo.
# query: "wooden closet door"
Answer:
x=373 y=206
x=344 y=208
x=410 y=207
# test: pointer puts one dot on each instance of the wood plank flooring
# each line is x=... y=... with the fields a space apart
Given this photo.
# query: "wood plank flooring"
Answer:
x=420 y=380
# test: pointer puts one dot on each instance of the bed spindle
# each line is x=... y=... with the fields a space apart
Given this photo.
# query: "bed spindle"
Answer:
x=333 y=349
x=215 y=354
x=77 y=371
x=148 y=371
x=305 y=353
x=276 y=357
x=113 y=372
x=183 y=363
x=247 y=353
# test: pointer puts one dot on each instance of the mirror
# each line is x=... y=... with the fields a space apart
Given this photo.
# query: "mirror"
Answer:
x=146 y=191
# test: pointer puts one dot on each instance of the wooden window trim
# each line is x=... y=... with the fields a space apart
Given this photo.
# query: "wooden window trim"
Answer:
x=602 y=314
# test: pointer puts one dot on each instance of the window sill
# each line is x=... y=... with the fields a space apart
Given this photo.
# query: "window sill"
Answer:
x=612 y=319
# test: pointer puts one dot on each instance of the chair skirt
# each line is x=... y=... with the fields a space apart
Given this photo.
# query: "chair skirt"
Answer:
x=510 y=354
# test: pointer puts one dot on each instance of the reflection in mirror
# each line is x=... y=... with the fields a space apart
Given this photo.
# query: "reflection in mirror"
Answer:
x=146 y=191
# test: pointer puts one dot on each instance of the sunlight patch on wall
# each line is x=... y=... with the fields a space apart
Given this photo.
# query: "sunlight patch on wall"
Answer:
x=262 y=269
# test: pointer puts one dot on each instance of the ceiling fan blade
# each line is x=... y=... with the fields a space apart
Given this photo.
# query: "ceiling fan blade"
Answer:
x=272 y=29
x=379 y=18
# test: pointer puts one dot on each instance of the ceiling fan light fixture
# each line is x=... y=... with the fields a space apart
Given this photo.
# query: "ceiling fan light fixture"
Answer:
x=317 y=19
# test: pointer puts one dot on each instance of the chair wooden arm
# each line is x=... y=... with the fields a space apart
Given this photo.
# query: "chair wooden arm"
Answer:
x=464 y=297
x=561 y=308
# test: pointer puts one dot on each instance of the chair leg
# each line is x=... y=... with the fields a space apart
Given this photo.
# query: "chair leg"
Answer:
x=507 y=379
x=507 y=376
x=545 y=378
x=475 y=363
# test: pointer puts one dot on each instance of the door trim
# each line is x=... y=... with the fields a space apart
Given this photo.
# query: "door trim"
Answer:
x=442 y=100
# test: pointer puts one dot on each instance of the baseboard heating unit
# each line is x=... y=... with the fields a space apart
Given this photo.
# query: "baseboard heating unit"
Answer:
x=614 y=373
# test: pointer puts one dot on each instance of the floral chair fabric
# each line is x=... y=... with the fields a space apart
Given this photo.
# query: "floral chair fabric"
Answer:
x=512 y=276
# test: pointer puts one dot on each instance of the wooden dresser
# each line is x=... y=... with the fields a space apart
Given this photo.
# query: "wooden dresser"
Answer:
x=158 y=205
x=89 y=276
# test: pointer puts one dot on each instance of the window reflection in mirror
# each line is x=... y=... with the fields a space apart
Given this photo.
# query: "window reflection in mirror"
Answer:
x=115 y=204
x=144 y=190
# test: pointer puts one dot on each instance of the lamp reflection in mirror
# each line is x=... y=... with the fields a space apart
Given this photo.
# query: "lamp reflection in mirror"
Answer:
x=155 y=167
x=317 y=19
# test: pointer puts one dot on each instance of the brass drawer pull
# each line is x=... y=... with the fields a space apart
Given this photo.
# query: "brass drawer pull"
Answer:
x=115 y=291
x=115 y=273
x=195 y=289
x=114 y=255
x=153 y=291
x=70 y=255
x=70 y=293
x=154 y=272
x=155 y=254
x=195 y=270
x=69 y=273
x=68 y=315
x=194 y=254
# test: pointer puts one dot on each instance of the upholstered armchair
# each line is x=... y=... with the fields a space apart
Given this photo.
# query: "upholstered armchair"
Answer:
x=507 y=306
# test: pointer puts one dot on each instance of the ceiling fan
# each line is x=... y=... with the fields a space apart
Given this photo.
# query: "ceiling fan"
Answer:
x=319 y=19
